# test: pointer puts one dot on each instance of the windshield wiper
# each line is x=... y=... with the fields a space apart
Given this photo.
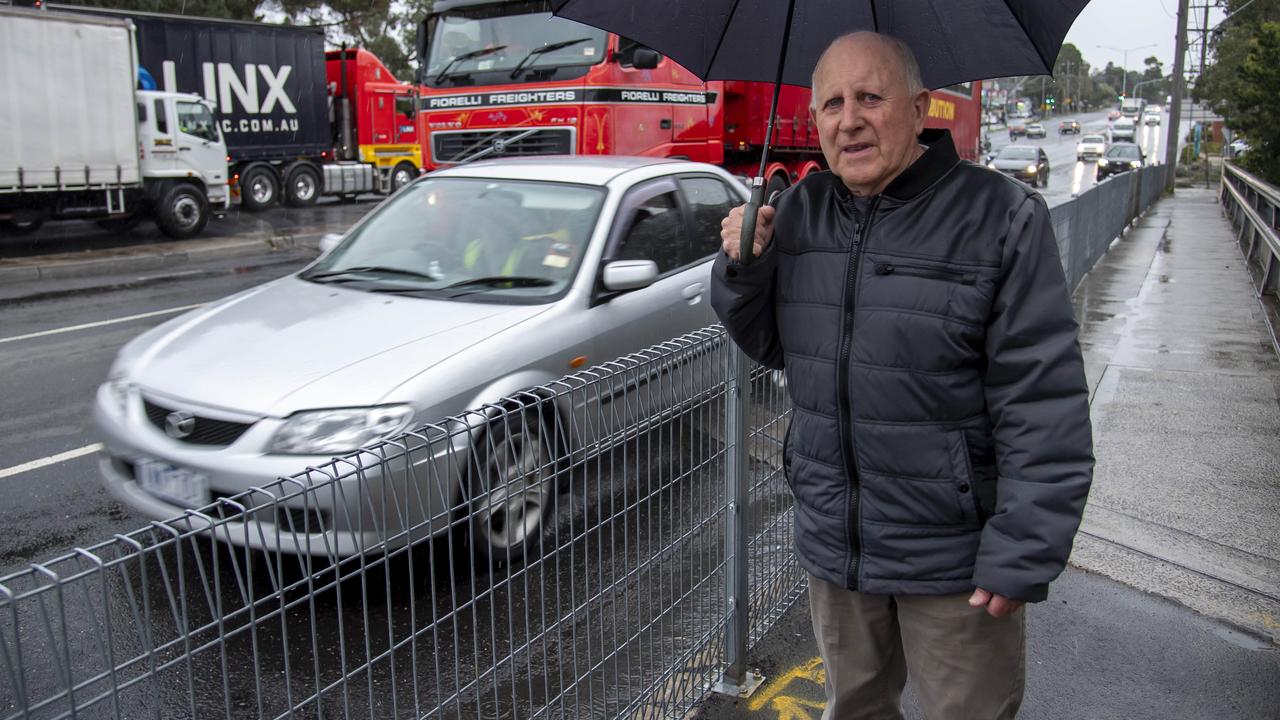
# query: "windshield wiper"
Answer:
x=515 y=72
x=497 y=282
x=369 y=269
x=440 y=77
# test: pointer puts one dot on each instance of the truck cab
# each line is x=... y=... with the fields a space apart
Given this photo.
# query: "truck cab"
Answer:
x=180 y=141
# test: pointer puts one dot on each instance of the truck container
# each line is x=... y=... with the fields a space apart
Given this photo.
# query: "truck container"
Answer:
x=78 y=141
x=505 y=78
x=295 y=130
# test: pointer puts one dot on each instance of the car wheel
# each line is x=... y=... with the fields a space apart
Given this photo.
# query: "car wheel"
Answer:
x=402 y=175
x=513 y=488
x=302 y=188
x=259 y=189
x=183 y=212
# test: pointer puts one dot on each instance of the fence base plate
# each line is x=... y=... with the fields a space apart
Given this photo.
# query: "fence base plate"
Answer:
x=750 y=683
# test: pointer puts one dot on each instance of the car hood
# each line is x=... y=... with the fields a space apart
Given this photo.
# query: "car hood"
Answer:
x=1012 y=164
x=292 y=345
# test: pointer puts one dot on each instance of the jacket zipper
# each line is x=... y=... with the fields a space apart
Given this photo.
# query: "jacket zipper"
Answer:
x=924 y=271
x=853 y=524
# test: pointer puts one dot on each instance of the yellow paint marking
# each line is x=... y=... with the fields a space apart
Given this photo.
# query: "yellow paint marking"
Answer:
x=1268 y=620
x=789 y=707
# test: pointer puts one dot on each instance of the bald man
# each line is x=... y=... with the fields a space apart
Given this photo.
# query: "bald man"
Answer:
x=939 y=449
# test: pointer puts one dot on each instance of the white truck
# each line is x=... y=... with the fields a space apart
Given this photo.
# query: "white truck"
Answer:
x=78 y=141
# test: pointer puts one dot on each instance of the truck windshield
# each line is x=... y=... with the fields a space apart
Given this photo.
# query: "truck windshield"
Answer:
x=521 y=35
x=195 y=119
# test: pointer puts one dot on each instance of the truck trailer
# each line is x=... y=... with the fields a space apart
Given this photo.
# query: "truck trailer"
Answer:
x=299 y=122
x=78 y=141
x=506 y=78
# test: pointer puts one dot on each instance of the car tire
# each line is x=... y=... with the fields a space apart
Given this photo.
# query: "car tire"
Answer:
x=183 y=212
x=259 y=189
x=403 y=174
x=302 y=186
x=512 y=488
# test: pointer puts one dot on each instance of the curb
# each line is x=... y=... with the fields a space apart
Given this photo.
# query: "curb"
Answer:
x=154 y=257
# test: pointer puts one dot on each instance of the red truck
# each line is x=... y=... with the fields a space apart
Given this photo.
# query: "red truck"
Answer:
x=375 y=117
x=505 y=78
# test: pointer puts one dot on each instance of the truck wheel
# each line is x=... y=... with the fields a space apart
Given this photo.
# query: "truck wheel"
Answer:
x=259 y=189
x=302 y=188
x=402 y=175
x=26 y=226
x=777 y=183
x=183 y=212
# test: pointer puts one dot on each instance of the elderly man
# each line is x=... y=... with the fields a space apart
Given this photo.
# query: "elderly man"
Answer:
x=939 y=449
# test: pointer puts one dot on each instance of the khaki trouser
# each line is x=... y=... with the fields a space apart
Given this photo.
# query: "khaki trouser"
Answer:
x=963 y=663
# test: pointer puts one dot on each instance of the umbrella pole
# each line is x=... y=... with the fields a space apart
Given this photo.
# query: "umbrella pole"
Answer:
x=747 y=240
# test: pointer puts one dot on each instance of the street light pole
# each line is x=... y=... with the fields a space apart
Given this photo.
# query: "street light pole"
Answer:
x=1124 y=67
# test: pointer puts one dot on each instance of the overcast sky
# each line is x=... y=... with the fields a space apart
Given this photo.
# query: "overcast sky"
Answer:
x=1130 y=24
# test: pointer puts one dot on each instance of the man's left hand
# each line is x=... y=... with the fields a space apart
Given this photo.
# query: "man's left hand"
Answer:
x=996 y=605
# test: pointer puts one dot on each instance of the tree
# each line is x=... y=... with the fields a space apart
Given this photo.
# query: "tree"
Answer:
x=1259 y=103
x=227 y=9
x=1155 y=84
x=386 y=29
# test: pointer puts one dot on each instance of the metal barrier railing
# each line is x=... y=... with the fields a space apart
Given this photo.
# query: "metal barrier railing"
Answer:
x=609 y=545
x=1252 y=205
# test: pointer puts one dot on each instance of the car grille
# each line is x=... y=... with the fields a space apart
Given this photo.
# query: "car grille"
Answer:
x=447 y=147
x=206 y=431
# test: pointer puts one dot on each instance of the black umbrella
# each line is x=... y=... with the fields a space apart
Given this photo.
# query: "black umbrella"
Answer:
x=774 y=41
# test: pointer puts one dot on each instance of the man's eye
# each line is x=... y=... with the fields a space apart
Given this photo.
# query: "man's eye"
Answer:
x=834 y=102
x=870 y=99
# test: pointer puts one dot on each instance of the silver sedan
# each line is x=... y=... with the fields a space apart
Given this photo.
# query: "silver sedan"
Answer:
x=468 y=285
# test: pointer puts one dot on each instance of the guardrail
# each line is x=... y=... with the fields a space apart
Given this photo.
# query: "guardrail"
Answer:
x=1252 y=204
x=662 y=557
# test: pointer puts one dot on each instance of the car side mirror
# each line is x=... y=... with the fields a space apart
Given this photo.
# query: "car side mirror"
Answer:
x=645 y=58
x=329 y=242
x=623 y=275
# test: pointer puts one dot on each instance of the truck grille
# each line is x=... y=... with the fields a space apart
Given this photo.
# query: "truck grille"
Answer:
x=450 y=147
x=204 y=431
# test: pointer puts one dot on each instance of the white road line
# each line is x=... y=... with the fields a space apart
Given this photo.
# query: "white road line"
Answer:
x=51 y=460
x=100 y=323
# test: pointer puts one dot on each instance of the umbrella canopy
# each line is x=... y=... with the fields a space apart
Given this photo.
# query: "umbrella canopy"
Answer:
x=954 y=40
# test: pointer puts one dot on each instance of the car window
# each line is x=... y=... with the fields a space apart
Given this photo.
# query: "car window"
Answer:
x=656 y=231
x=1017 y=152
x=709 y=202
x=162 y=120
x=1092 y=139
x=1123 y=151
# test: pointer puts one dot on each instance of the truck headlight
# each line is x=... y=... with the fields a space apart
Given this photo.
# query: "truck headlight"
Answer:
x=339 y=430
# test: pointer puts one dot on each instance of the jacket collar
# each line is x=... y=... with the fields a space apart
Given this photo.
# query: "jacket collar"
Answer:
x=938 y=159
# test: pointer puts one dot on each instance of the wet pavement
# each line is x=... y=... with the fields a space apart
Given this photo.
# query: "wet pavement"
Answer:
x=1171 y=606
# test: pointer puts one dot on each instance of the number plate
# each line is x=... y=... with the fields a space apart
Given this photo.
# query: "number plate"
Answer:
x=175 y=484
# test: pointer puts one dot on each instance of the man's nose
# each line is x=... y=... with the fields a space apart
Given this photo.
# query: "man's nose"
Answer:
x=851 y=119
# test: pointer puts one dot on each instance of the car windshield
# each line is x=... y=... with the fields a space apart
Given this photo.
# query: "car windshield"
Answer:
x=487 y=240
x=493 y=38
x=1124 y=152
x=1093 y=139
x=1017 y=152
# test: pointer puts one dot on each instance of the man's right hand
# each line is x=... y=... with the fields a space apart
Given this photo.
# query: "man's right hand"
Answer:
x=731 y=231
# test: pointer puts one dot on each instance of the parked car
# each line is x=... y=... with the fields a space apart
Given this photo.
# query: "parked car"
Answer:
x=1028 y=163
x=1091 y=147
x=1119 y=158
x=1035 y=130
x=1123 y=130
x=1237 y=148
x=1017 y=129
x=470 y=284
x=1069 y=126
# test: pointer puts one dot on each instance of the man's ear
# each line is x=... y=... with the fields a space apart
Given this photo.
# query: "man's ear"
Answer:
x=921 y=106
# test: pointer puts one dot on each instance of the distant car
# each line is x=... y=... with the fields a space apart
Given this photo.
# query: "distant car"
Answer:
x=1237 y=148
x=1028 y=163
x=1123 y=130
x=1069 y=126
x=1017 y=129
x=1112 y=115
x=468 y=285
x=1035 y=130
x=1151 y=116
x=1091 y=147
x=1120 y=158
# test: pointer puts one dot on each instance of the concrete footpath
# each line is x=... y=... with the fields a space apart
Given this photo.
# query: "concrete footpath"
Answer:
x=1171 y=606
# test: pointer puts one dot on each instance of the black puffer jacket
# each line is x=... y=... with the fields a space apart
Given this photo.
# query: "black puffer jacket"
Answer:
x=940 y=437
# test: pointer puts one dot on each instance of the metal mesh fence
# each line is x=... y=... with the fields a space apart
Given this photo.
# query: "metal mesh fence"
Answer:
x=604 y=546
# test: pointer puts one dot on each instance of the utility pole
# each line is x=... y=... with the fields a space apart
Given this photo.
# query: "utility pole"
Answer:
x=1175 y=114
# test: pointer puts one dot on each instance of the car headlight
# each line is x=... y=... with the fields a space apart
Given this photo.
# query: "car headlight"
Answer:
x=1135 y=163
x=339 y=430
x=1032 y=169
x=119 y=391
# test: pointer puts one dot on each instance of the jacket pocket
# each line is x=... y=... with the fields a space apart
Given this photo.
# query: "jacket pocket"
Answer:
x=926 y=271
x=967 y=483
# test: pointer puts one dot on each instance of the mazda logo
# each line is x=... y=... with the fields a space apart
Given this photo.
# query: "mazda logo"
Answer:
x=179 y=424
x=499 y=146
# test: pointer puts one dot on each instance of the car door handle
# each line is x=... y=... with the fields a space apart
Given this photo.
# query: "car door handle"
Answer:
x=665 y=123
x=693 y=293
x=184 y=148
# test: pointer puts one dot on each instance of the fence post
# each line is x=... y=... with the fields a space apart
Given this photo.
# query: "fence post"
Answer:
x=736 y=681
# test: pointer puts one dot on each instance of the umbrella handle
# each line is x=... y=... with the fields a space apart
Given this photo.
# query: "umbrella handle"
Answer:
x=747 y=241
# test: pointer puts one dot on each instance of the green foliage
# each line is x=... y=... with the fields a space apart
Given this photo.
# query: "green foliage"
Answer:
x=386 y=29
x=226 y=9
